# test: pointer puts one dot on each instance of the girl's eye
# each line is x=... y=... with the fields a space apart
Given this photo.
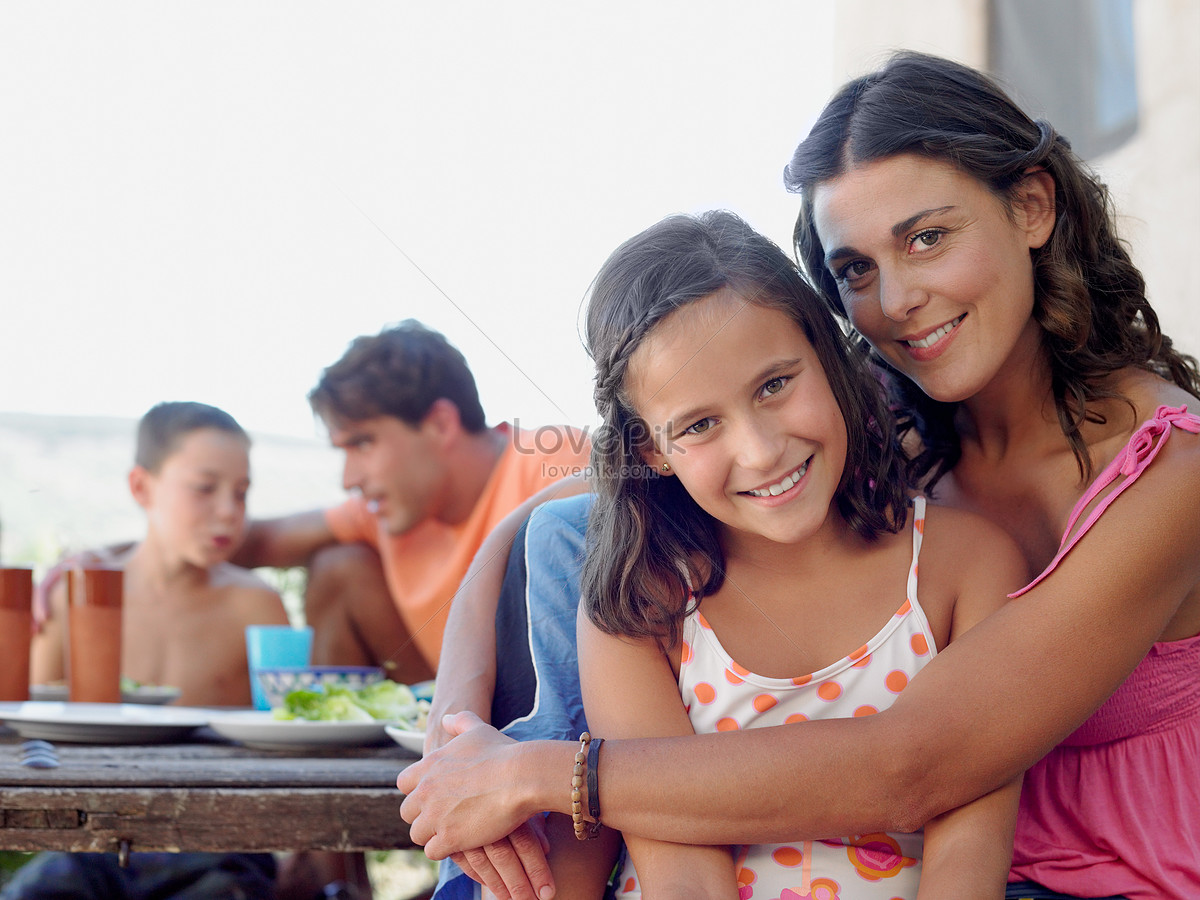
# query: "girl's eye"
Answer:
x=852 y=272
x=924 y=240
x=774 y=386
x=205 y=488
x=699 y=427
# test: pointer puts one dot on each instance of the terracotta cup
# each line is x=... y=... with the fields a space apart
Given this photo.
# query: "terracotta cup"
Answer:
x=16 y=598
x=94 y=634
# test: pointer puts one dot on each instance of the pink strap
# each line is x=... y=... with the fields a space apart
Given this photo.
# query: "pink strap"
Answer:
x=1131 y=461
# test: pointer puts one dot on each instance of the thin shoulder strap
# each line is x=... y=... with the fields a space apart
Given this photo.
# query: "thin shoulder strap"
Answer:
x=918 y=505
x=1133 y=459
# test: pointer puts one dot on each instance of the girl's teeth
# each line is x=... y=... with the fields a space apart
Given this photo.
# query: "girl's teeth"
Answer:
x=787 y=483
x=931 y=339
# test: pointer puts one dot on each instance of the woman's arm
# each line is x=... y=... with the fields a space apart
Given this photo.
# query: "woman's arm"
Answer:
x=1046 y=660
x=629 y=690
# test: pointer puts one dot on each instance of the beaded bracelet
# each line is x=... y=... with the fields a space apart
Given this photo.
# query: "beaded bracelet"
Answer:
x=577 y=777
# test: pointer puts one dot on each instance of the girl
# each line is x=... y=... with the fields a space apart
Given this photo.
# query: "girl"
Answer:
x=752 y=560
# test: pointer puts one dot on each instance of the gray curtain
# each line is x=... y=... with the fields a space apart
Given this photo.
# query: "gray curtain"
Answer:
x=1071 y=62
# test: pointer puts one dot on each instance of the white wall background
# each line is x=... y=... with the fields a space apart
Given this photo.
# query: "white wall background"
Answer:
x=209 y=200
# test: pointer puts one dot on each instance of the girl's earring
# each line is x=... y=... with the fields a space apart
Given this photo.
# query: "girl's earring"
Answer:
x=666 y=467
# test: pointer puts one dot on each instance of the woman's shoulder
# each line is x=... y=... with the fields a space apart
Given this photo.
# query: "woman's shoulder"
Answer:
x=1159 y=407
x=957 y=526
x=1133 y=425
x=966 y=540
x=1148 y=392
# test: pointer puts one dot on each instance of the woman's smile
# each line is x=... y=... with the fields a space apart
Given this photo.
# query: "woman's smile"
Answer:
x=935 y=342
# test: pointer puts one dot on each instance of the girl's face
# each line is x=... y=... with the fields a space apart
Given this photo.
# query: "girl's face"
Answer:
x=739 y=406
x=933 y=269
x=196 y=502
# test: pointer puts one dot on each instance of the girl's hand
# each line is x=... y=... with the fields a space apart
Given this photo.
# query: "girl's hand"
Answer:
x=514 y=867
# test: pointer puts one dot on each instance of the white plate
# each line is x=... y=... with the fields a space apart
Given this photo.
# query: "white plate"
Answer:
x=413 y=741
x=147 y=693
x=101 y=723
x=258 y=729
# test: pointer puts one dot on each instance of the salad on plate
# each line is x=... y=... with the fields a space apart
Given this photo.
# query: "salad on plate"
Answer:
x=386 y=701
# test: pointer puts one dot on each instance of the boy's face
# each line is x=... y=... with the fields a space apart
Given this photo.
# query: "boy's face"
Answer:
x=398 y=468
x=196 y=503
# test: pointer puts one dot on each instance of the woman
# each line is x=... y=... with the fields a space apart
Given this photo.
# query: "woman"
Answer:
x=978 y=257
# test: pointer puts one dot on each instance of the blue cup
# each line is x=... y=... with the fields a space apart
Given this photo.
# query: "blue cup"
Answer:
x=270 y=646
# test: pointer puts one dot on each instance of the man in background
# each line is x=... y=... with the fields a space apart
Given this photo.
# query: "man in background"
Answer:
x=430 y=479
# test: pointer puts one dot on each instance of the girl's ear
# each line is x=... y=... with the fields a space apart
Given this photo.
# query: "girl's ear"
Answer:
x=139 y=486
x=1035 y=207
x=656 y=459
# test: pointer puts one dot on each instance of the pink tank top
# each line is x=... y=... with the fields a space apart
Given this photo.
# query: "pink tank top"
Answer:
x=1115 y=808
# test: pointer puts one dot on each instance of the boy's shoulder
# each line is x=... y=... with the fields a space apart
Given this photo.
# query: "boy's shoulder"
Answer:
x=245 y=596
x=229 y=576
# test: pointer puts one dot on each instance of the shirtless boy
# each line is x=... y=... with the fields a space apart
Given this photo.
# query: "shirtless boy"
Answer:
x=183 y=623
x=185 y=606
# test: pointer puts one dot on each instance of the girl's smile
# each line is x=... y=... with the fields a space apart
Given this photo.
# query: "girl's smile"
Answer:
x=782 y=486
x=750 y=425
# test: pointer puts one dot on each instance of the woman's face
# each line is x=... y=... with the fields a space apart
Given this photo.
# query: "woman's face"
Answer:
x=933 y=269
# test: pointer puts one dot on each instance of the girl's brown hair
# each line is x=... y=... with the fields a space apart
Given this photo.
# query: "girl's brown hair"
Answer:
x=649 y=544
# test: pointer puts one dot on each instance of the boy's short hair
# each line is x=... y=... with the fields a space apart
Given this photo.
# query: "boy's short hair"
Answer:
x=163 y=427
x=399 y=372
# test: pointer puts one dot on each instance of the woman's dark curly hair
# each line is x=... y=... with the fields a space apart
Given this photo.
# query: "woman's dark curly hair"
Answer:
x=1089 y=299
x=649 y=543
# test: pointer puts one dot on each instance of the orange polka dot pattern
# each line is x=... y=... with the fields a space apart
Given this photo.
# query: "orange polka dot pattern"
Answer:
x=722 y=695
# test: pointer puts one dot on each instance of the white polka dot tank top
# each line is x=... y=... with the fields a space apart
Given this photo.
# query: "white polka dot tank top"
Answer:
x=722 y=695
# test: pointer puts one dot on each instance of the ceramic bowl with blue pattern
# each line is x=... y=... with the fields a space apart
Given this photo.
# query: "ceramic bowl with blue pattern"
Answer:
x=279 y=681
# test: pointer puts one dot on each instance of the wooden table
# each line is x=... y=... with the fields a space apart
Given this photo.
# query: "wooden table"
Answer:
x=201 y=795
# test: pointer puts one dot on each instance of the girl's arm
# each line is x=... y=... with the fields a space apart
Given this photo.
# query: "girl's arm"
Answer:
x=968 y=850
x=629 y=690
x=1047 y=660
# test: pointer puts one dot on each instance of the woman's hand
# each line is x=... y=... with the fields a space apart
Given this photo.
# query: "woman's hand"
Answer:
x=458 y=802
x=467 y=795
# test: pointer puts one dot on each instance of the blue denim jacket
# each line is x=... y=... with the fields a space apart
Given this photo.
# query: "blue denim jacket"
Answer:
x=537 y=693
